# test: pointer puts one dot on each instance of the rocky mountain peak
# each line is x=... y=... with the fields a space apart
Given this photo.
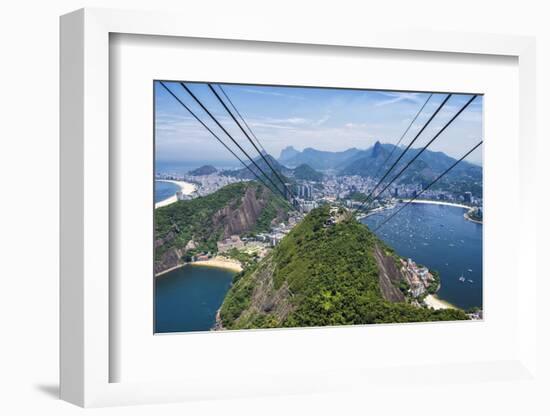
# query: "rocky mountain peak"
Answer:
x=377 y=149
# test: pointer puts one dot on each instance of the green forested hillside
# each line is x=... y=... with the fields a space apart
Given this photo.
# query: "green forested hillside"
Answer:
x=320 y=274
x=238 y=208
x=203 y=170
x=306 y=172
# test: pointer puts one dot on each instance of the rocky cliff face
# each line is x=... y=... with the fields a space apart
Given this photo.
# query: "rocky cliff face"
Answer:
x=233 y=210
x=288 y=153
x=242 y=219
x=389 y=276
x=265 y=299
x=171 y=258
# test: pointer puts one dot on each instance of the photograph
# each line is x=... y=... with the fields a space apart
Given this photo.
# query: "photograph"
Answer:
x=279 y=206
x=255 y=209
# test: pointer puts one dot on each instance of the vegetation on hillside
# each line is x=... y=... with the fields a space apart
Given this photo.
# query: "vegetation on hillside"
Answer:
x=178 y=223
x=185 y=219
x=357 y=196
x=203 y=170
x=331 y=276
x=307 y=173
x=434 y=285
x=270 y=211
x=245 y=258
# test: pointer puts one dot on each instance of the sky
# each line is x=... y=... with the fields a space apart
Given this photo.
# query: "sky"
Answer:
x=321 y=118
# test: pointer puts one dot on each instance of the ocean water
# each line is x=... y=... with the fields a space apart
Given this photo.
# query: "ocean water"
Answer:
x=187 y=299
x=165 y=190
x=439 y=237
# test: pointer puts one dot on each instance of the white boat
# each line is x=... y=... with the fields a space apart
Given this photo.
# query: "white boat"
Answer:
x=462 y=278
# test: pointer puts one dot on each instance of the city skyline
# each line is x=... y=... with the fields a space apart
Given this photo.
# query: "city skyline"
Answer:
x=320 y=118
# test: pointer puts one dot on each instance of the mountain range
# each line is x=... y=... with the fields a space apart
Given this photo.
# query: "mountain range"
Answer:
x=317 y=159
x=373 y=162
x=245 y=173
x=303 y=171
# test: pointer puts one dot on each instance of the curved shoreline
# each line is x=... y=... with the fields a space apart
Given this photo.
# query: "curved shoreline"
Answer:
x=185 y=187
x=436 y=303
x=449 y=204
x=216 y=262
x=467 y=217
x=428 y=201
x=220 y=263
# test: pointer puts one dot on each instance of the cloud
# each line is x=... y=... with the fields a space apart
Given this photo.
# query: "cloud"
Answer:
x=272 y=93
x=322 y=120
x=290 y=123
x=399 y=97
x=295 y=120
x=269 y=125
x=356 y=125
x=289 y=120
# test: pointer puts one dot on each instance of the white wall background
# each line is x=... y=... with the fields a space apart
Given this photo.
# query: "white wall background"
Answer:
x=29 y=197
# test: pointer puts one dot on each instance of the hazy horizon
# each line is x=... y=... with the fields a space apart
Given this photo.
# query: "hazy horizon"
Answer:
x=235 y=163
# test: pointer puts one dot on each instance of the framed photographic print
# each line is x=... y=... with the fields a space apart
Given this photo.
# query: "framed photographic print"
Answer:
x=273 y=213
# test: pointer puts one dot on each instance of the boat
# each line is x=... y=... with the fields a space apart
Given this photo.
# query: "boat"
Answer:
x=470 y=281
x=462 y=278
x=470 y=270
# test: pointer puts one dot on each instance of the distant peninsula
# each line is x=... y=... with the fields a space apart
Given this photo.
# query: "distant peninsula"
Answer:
x=203 y=171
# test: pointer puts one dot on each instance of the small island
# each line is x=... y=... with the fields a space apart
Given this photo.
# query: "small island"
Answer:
x=203 y=171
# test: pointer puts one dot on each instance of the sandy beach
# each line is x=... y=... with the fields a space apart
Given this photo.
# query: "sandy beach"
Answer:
x=220 y=262
x=434 y=302
x=185 y=187
x=426 y=201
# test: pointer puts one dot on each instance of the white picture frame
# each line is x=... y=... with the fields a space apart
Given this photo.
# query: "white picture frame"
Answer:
x=86 y=356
